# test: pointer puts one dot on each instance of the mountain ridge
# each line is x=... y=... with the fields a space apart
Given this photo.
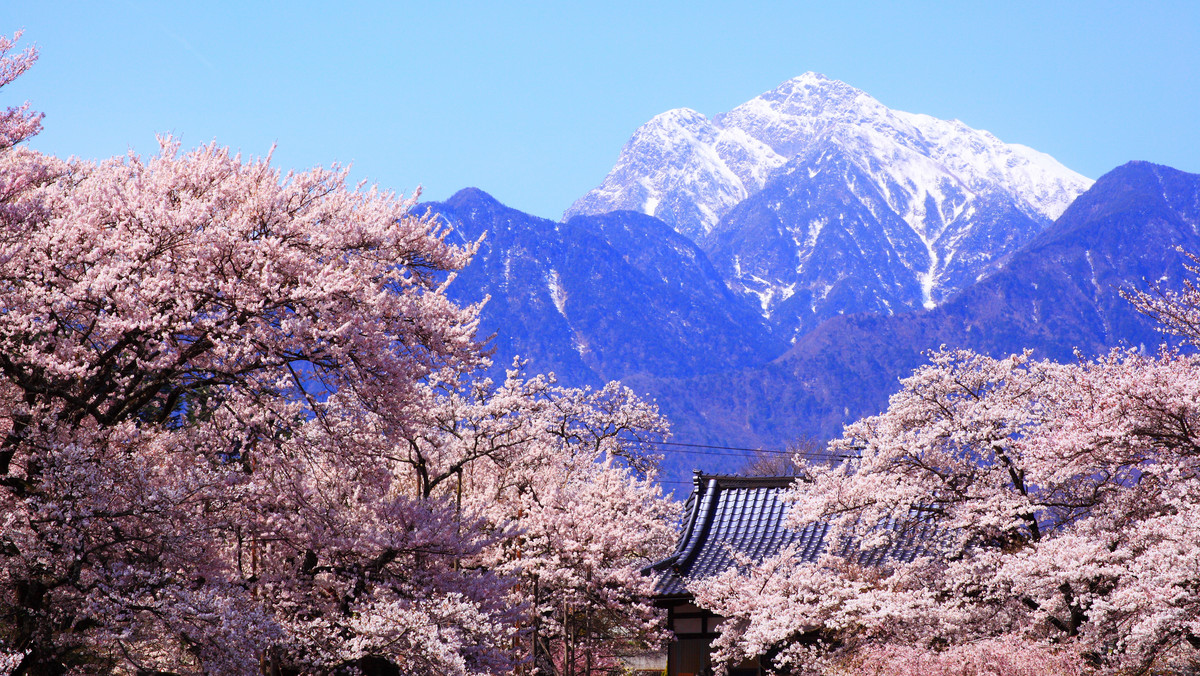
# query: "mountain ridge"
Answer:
x=658 y=316
x=1059 y=295
x=934 y=200
x=598 y=298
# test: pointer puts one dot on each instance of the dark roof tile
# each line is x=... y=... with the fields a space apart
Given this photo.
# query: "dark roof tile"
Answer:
x=727 y=514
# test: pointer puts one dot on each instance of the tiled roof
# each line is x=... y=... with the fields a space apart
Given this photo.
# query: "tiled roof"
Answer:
x=727 y=514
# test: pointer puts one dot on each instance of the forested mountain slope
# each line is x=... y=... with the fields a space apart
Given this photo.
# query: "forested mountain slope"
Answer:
x=600 y=298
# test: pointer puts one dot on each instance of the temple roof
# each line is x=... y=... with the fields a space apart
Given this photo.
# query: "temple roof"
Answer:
x=727 y=514
x=747 y=515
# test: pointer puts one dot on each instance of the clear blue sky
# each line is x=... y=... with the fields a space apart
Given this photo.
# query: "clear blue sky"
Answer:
x=533 y=101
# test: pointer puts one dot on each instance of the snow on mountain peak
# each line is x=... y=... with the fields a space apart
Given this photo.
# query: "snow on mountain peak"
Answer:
x=672 y=159
x=813 y=94
x=933 y=201
x=717 y=162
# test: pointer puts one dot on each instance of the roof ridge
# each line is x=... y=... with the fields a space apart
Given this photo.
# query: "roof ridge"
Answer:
x=736 y=481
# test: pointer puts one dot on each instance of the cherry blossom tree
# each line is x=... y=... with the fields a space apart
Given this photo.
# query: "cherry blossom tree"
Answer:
x=559 y=470
x=990 y=657
x=17 y=123
x=180 y=339
x=239 y=432
x=1026 y=502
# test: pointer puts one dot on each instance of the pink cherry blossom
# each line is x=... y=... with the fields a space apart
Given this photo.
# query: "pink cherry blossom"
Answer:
x=241 y=432
x=16 y=123
x=1052 y=506
x=553 y=468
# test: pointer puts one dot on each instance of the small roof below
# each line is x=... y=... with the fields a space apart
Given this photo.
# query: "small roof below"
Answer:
x=747 y=515
x=727 y=514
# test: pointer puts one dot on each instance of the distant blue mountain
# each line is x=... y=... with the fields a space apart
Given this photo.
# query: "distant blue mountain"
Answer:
x=1058 y=294
x=600 y=298
x=623 y=296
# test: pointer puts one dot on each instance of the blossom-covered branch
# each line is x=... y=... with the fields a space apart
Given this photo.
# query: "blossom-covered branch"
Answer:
x=1063 y=500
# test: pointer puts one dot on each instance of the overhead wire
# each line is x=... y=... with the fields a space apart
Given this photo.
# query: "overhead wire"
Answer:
x=740 y=451
x=727 y=448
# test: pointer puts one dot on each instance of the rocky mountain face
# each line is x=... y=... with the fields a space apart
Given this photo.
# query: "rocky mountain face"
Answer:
x=1059 y=293
x=815 y=200
x=599 y=298
x=624 y=296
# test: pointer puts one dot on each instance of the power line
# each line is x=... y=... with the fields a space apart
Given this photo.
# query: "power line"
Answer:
x=814 y=456
x=710 y=448
x=724 y=448
x=685 y=452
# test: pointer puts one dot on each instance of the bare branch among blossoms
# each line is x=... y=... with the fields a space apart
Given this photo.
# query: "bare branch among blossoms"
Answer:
x=1177 y=312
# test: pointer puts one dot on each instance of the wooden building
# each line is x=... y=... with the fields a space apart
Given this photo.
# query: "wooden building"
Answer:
x=727 y=514
x=723 y=514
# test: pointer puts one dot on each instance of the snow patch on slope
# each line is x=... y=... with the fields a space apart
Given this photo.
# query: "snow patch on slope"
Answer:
x=558 y=294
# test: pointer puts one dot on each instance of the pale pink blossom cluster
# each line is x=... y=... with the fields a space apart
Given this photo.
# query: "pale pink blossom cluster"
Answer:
x=559 y=474
x=239 y=434
x=17 y=123
x=1024 y=501
x=989 y=657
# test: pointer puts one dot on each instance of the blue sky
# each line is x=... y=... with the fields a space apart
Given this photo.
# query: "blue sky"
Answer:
x=533 y=101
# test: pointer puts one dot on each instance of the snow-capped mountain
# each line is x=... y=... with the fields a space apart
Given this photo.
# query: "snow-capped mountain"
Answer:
x=684 y=169
x=814 y=199
x=1059 y=295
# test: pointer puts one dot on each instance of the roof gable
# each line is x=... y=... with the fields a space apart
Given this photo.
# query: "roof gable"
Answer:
x=727 y=514
x=748 y=516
